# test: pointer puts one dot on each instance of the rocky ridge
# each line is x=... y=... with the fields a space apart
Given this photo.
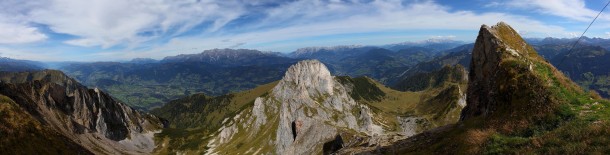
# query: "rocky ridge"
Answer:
x=87 y=117
x=496 y=48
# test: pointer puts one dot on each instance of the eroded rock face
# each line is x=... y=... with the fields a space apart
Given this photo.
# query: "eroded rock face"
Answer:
x=493 y=46
x=87 y=116
x=309 y=85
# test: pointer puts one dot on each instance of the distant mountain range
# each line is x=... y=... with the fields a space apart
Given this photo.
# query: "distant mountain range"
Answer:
x=148 y=83
x=13 y=65
x=437 y=45
x=605 y=43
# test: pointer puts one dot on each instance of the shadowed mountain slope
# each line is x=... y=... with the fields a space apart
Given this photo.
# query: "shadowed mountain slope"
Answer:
x=80 y=120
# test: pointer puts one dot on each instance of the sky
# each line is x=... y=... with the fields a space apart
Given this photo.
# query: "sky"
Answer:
x=117 y=30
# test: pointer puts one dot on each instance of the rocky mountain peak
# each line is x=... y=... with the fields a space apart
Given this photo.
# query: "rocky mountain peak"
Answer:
x=230 y=57
x=500 y=57
x=329 y=48
x=309 y=76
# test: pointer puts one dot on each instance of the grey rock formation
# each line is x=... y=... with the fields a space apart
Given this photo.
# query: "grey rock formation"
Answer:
x=309 y=85
x=88 y=117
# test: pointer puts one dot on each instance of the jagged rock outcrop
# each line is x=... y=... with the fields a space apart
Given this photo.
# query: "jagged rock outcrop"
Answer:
x=309 y=85
x=494 y=48
x=88 y=117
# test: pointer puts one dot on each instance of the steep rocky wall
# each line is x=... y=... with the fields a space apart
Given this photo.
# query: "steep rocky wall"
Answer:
x=494 y=48
x=309 y=85
x=87 y=116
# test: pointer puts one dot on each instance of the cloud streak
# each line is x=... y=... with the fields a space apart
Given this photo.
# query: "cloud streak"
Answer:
x=108 y=23
x=570 y=9
x=124 y=29
x=379 y=17
x=19 y=33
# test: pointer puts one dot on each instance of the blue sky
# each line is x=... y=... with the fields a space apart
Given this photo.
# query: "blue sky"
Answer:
x=113 y=30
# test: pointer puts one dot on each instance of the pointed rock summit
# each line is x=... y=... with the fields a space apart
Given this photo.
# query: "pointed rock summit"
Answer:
x=510 y=82
x=494 y=48
x=309 y=96
x=309 y=76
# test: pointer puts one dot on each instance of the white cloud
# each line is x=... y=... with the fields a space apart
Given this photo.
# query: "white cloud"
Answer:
x=17 y=33
x=571 y=9
x=450 y=37
x=308 y=19
x=108 y=23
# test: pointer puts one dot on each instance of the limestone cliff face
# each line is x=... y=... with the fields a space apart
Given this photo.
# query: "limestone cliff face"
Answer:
x=88 y=117
x=308 y=86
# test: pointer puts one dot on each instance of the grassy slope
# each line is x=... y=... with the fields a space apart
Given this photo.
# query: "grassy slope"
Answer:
x=433 y=103
x=195 y=118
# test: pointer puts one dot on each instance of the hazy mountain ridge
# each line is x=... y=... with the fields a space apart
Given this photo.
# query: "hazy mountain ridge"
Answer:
x=14 y=65
x=230 y=57
x=437 y=45
x=605 y=43
x=424 y=80
x=460 y=55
